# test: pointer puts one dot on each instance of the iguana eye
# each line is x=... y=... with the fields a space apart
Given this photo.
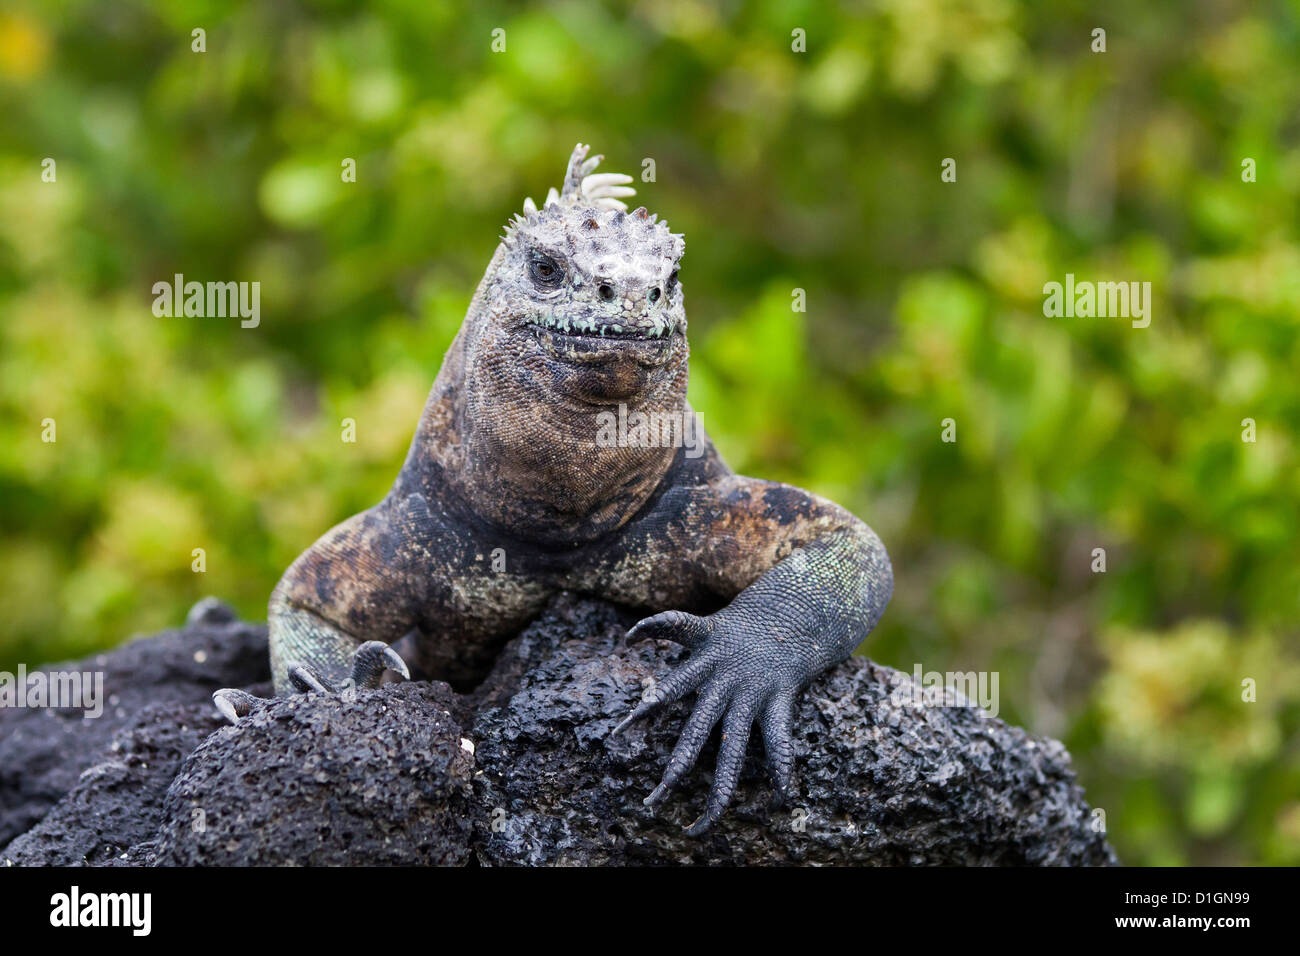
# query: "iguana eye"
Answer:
x=545 y=270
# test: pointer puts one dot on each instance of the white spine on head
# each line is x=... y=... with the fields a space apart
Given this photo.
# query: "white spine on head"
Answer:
x=582 y=182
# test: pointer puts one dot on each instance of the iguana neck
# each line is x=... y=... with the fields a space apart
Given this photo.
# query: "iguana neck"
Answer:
x=530 y=460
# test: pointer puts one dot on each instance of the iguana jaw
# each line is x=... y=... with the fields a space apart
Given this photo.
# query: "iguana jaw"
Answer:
x=655 y=327
x=601 y=347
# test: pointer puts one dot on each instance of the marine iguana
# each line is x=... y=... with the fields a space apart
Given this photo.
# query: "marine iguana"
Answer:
x=581 y=312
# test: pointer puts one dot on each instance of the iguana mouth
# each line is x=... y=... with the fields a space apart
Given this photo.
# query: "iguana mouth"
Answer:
x=576 y=327
x=589 y=345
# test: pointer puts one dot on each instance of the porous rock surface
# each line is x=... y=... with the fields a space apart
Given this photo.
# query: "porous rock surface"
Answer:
x=520 y=771
x=44 y=752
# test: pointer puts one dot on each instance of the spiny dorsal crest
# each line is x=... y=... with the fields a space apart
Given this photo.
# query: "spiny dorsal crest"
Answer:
x=589 y=205
x=582 y=182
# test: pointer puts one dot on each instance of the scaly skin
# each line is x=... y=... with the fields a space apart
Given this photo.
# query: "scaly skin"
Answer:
x=581 y=311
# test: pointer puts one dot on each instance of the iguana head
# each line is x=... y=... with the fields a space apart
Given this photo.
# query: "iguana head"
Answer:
x=580 y=312
x=588 y=292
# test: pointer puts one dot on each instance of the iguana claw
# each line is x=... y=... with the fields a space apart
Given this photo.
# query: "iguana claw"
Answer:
x=233 y=703
x=372 y=659
x=369 y=662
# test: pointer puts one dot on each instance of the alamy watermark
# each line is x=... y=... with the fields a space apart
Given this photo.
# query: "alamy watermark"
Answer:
x=951 y=689
x=133 y=911
x=209 y=300
x=679 y=428
x=80 y=690
x=1128 y=300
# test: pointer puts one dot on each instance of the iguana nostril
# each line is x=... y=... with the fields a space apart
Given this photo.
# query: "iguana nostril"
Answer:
x=654 y=294
x=606 y=291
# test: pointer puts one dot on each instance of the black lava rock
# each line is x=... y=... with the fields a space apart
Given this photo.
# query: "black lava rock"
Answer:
x=43 y=752
x=381 y=778
x=111 y=815
x=880 y=778
x=520 y=771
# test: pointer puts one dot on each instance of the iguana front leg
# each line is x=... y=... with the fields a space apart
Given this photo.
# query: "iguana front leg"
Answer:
x=812 y=581
x=404 y=565
x=343 y=600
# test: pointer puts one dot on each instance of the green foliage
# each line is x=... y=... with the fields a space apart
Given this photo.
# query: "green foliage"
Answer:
x=818 y=171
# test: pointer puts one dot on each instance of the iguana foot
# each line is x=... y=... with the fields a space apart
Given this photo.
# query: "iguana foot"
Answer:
x=742 y=675
x=369 y=663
